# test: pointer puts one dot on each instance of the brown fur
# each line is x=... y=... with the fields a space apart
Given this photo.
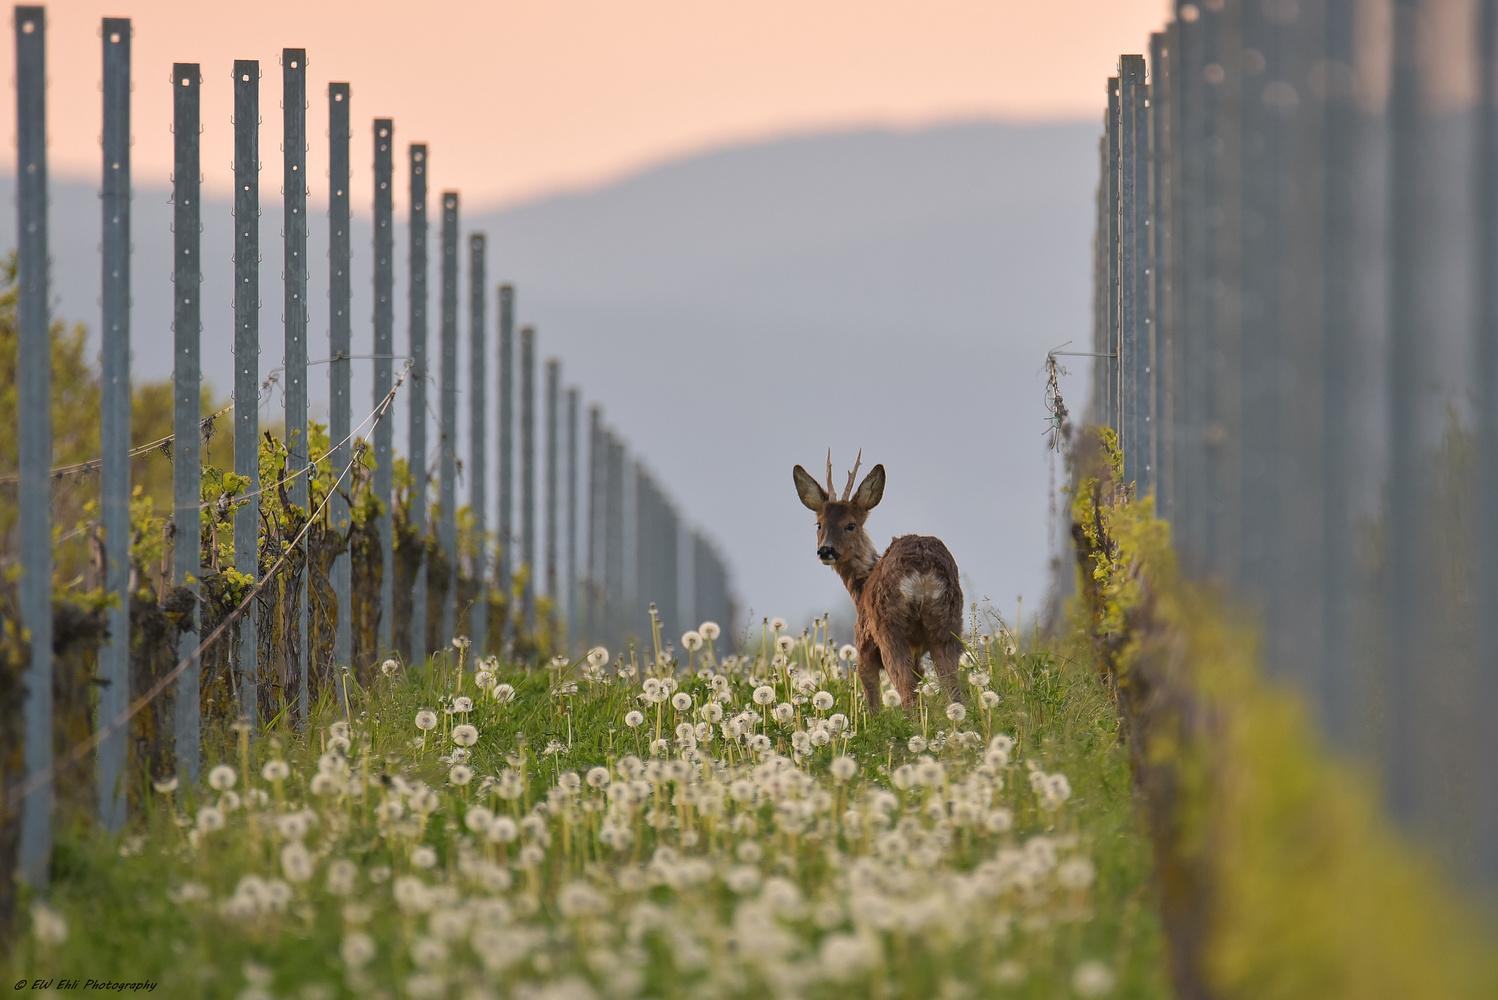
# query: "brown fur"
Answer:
x=908 y=599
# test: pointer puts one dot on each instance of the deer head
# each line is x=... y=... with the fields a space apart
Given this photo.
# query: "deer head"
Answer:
x=840 y=534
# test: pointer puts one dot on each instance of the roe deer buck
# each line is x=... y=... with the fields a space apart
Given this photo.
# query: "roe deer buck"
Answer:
x=909 y=600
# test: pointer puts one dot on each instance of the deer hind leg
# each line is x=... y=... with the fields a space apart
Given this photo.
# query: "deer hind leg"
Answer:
x=869 y=665
x=947 y=655
x=899 y=663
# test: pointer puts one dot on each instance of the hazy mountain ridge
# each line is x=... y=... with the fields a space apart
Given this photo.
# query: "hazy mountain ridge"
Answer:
x=740 y=311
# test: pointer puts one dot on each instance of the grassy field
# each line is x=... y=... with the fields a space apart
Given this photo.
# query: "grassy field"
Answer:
x=714 y=826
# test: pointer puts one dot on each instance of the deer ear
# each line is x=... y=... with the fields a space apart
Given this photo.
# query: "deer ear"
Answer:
x=807 y=489
x=871 y=490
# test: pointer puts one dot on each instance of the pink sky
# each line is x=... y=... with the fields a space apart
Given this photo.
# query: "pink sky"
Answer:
x=522 y=98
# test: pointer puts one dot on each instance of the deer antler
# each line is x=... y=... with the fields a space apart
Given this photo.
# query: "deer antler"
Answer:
x=853 y=475
x=831 y=489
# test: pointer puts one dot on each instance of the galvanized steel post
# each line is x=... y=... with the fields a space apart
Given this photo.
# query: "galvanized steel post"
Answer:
x=1138 y=375
x=34 y=396
x=294 y=234
x=384 y=350
x=528 y=473
x=645 y=549
x=614 y=539
x=416 y=444
x=1161 y=390
x=114 y=423
x=478 y=466
x=247 y=366
x=187 y=463
x=597 y=506
x=571 y=584
x=1405 y=617
x=1130 y=76
x=505 y=529
x=447 y=535
x=1112 y=365
x=340 y=347
x=1485 y=805
x=553 y=379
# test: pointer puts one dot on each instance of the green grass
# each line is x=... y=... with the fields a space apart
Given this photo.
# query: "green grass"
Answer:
x=804 y=889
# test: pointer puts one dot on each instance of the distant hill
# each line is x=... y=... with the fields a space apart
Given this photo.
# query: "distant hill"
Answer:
x=742 y=310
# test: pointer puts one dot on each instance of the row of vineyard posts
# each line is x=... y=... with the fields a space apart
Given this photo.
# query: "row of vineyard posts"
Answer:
x=320 y=551
x=1296 y=346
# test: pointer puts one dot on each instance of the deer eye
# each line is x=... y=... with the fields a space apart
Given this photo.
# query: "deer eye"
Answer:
x=850 y=527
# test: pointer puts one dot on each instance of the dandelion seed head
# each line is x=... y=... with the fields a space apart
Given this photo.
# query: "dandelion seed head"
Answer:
x=275 y=770
x=778 y=624
x=461 y=774
x=843 y=768
x=222 y=777
x=1092 y=979
x=165 y=786
x=390 y=668
x=891 y=698
x=465 y=735
x=709 y=630
x=292 y=826
x=462 y=703
x=598 y=777
x=764 y=694
x=821 y=701
x=633 y=719
x=916 y=744
x=423 y=857
x=342 y=875
x=296 y=862
x=742 y=879
x=598 y=656
x=681 y=701
x=956 y=711
x=691 y=641
x=426 y=720
x=210 y=819
x=503 y=830
x=478 y=819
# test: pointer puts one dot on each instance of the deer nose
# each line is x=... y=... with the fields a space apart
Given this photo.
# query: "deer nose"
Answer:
x=826 y=554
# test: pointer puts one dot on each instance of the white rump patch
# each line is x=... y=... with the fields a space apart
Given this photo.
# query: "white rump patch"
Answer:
x=921 y=587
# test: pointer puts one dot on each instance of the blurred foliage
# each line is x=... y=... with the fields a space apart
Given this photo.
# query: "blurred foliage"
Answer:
x=1279 y=871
